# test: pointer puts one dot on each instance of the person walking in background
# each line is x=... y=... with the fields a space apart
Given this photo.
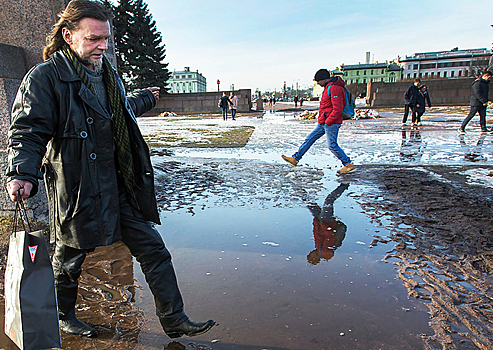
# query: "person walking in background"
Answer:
x=224 y=102
x=72 y=120
x=479 y=101
x=422 y=99
x=329 y=121
x=233 y=105
x=295 y=99
x=410 y=97
x=301 y=101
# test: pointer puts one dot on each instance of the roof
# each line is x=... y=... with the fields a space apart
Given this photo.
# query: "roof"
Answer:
x=389 y=66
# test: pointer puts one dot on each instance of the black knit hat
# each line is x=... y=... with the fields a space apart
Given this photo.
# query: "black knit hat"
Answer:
x=322 y=74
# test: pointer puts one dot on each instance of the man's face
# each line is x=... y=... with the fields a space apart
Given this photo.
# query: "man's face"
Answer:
x=89 y=41
x=322 y=83
x=486 y=77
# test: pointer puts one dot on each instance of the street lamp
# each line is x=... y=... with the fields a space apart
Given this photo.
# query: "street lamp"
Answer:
x=218 y=82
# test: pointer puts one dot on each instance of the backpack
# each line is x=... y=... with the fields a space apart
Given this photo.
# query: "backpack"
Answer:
x=220 y=103
x=349 y=105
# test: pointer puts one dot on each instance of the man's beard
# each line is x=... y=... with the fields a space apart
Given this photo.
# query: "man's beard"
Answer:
x=98 y=64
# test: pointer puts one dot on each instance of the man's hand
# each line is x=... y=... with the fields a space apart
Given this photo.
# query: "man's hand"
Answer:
x=155 y=92
x=23 y=186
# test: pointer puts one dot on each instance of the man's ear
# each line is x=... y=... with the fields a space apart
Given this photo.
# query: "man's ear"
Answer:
x=67 y=36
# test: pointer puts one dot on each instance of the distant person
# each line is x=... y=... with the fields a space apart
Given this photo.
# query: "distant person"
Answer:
x=327 y=231
x=223 y=104
x=270 y=101
x=479 y=100
x=295 y=99
x=422 y=99
x=273 y=100
x=410 y=96
x=329 y=121
x=233 y=105
x=301 y=101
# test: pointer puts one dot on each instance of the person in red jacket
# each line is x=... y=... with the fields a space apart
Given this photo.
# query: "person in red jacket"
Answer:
x=329 y=120
x=327 y=231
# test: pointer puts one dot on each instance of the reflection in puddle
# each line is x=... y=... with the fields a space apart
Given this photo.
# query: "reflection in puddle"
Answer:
x=327 y=231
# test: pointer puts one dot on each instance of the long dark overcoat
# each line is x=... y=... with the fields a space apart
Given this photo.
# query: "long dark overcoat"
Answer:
x=60 y=129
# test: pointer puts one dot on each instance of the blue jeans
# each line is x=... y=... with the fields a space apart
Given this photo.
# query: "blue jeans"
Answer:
x=332 y=131
x=233 y=113
x=225 y=113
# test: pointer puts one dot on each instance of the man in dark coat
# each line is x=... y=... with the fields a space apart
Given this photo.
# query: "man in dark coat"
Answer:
x=410 y=97
x=479 y=101
x=72 y=121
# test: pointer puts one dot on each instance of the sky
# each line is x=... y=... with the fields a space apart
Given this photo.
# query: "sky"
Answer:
x=262 y=44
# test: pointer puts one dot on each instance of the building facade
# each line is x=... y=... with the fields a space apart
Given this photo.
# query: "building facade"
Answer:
x=186 y=81
x=445 y=64
x=371 y=72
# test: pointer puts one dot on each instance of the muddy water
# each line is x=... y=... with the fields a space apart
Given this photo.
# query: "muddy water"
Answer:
x=252 y=253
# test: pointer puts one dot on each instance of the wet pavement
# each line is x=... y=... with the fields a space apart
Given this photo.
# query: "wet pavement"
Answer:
x=281 y=257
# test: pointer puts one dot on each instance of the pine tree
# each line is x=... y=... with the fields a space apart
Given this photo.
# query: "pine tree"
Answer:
x=139 y=46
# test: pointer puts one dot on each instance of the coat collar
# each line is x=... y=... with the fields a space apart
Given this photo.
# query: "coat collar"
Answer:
x=67 y=73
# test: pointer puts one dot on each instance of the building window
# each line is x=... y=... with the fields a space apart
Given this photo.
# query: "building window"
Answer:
x=409 y=67
x=372 y=72
x=364 y=81
x=382 y=71
x=345 y=74
x=452 y=73
x=432 y=74
x=426 y=75
x=357 y=72
x=415 y=75
x=445 y=74
x=415 y=66
x=420 y=75
x=460 y=73
x=438 y=74
x=409 y=75
x=364 y=72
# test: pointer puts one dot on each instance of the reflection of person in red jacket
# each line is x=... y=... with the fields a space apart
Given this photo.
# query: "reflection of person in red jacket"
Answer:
x=327 y=231
x=332 y=104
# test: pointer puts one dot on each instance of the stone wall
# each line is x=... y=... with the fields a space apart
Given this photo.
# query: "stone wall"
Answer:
x=12 y=69
x=201 y=102
x=25 y=23
x=446 y=92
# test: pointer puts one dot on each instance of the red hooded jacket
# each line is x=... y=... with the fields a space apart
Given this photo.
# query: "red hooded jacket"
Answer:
x=330 y=111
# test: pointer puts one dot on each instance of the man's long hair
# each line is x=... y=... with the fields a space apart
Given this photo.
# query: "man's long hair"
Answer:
x=70 y=18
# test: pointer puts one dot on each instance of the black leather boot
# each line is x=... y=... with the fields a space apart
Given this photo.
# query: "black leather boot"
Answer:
x=189 y=328
x=77 y=327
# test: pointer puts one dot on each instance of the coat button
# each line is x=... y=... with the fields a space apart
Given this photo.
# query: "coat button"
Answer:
x=93 y=156
x=89 y=120
x=83 y=134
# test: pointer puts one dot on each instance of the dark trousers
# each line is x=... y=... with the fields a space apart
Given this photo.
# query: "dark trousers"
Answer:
x=472 y=113
x=147 y=246
x=406 y=112
x=417 y=116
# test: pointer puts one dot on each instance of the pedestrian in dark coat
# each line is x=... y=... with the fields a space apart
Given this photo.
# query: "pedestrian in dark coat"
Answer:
x=410 y=97
x=72 y=120
x=479 y=100
x=422 y=99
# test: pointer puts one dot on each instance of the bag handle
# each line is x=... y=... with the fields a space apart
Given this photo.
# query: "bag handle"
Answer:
x=20 y=212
